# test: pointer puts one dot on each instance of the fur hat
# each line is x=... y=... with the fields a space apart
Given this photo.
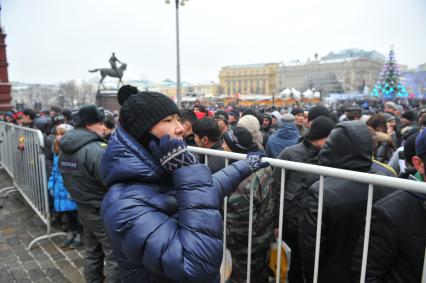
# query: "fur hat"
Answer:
x=90 y=114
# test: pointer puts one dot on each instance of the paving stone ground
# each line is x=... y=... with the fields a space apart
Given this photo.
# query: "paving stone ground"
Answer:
x=46 y=261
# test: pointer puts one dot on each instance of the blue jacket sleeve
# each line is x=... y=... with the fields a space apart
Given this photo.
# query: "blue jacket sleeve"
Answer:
x=227 y=180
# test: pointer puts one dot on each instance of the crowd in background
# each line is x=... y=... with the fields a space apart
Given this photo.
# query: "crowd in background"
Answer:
x=377 y=137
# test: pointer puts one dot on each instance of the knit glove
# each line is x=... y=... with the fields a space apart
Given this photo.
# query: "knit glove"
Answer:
x=172 y=153
x=253 y=159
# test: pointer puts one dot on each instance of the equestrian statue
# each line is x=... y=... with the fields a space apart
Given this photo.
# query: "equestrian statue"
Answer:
x=113 y=72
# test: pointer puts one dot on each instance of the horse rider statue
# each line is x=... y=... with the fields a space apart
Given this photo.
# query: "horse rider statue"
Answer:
x=113 y=61
x=113 y=72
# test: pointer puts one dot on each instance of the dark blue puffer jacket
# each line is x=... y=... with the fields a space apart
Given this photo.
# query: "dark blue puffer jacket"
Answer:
x=286 y=135
x=164 y=228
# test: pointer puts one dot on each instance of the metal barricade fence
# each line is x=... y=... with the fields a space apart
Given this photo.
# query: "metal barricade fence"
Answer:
x=367 y=178
x=27 y=168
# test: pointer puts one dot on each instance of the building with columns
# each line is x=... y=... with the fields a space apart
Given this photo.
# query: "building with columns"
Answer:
x=249 y=79
x=350 y=70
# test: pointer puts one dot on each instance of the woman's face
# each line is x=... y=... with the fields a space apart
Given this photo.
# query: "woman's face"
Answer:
x=59 y=135
x=170 y=125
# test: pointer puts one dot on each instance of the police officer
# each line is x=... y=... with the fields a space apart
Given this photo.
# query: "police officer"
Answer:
x=82 y=149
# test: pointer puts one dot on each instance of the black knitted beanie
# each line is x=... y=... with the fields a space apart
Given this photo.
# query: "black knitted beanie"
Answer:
x=321 y=128
x=140 y=112
x=317 y=111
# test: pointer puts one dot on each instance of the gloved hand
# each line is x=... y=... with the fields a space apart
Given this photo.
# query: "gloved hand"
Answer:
x=172 y=153
x=253 y=159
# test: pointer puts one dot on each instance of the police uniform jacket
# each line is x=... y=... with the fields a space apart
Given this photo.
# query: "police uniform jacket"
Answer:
x=79 y=165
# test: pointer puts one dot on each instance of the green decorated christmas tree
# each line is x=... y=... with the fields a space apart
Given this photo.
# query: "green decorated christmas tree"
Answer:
x=389 y=87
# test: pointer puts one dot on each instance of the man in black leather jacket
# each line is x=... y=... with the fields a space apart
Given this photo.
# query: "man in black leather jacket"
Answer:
x=349 y=146
x=398 y=232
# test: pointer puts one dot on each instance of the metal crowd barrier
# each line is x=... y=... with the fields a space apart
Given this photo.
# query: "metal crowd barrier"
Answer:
x=27 y=168
x=371 y=179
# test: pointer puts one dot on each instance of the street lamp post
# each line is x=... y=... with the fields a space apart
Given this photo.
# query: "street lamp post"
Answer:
x=178 y=88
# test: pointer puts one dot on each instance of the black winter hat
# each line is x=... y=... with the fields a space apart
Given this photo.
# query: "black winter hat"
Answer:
x=317 y=111
x=90 y=114
x=221 y=115
x=296 y=111
x=140 y=112
x=321 y=127
x=125 y=91
x=410 y=148
x=409 y=115
x=240 y=140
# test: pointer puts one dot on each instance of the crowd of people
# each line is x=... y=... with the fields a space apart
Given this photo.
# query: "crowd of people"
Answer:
x=146 y=209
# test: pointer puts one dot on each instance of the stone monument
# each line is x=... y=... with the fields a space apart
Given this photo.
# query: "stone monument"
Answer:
x=107 y=97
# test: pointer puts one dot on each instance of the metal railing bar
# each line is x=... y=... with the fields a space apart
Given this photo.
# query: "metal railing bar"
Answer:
x=367 y=233
x=319 y=222
x=360 y=177
x=280 y=226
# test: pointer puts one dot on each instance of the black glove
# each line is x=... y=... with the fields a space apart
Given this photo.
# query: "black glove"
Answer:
x=253 y=159
x=172 y=153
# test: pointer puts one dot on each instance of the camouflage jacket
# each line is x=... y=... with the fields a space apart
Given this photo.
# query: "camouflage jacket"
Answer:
x=238 y=223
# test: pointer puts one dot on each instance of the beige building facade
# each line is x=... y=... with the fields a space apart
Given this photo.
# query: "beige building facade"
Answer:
x=205 y=90
x=350 y=70
x=249 y=79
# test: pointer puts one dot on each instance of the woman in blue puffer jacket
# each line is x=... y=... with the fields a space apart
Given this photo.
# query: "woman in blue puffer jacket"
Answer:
x=62 y=201
x=162 y=210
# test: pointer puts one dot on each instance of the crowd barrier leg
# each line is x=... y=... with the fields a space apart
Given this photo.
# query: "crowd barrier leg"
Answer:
x=5 y=192
x=45 y=200
x=46 y=236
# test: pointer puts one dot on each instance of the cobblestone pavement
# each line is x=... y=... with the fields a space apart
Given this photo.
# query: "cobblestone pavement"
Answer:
x=46 y=261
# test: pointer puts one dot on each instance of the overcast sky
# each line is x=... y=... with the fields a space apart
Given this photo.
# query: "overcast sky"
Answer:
x=50 y=41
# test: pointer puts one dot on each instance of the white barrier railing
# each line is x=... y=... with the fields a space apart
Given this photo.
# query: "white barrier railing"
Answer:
x=27 y=168
x=322 y=171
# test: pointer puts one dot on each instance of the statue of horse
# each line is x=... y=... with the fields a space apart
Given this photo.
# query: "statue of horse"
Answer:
x=111 y=73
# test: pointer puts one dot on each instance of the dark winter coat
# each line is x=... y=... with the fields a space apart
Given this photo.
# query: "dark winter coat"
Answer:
x=164 y=227
x=286 y=135
x=344 y=206
x=296 y=182
x=397 y=240
x=215 y=163
x=79 y=165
